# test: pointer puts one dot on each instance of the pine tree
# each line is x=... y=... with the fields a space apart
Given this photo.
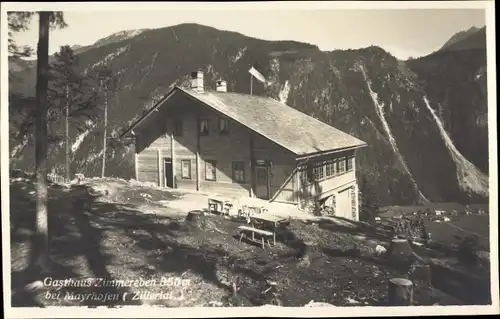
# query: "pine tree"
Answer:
x=17 y=22
x=19 y=105
x=107 y=83
x=70 y=94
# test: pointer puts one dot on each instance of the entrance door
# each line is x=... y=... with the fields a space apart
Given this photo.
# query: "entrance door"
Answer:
x=343 y=201
x=262 y=184
x=168 y=173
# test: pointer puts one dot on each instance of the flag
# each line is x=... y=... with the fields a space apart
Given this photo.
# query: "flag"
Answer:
x=253 y=71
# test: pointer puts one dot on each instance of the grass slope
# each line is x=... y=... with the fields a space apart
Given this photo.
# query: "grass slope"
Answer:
x=121 y=233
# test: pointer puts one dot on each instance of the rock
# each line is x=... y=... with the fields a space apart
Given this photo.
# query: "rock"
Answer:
x=215 y=303
x=304 y=262
x=313 y=304
x=351 y=301
x=483 y=254
x=380 y=250
x=483 y=257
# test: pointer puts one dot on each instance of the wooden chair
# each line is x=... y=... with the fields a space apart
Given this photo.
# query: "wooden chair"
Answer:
x=227 y=207
x=243 y=211
x=213 y=205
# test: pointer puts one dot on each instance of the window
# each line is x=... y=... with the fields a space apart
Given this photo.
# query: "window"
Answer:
x=186 y=169
x=318 y=172
x=350 y=161
x=239 y=172
x=210 y=170
x=330 y=168
x=204 y=129
x=341 y=166
x=223 y=126
x=178 y=128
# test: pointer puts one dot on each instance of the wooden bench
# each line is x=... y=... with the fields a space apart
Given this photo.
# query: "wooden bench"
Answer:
x=264 y=234
x=215 y=205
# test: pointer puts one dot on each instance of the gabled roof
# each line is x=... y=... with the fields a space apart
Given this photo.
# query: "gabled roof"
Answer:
x=278 y=122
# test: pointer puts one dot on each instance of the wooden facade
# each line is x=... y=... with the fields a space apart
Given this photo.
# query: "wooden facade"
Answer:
x=188 y=145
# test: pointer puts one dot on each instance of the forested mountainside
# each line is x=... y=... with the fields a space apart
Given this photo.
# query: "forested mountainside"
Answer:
x=425 y=120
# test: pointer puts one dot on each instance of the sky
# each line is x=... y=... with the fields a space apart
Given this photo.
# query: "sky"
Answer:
x=403 y=32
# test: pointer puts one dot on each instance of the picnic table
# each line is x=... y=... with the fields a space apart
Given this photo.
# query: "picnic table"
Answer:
x=276 y=222
x=271 y=223
x=263 y=233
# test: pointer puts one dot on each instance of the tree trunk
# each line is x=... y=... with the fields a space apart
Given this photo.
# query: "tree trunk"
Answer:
x=400 y=292
x=105 y=130
x=400 y=253
x=40 y=249
x=422 y=272
x=67 y=136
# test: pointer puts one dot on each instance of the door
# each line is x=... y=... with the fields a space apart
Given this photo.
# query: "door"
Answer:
x=262 y=183
x=168 y=173
x=343 y=203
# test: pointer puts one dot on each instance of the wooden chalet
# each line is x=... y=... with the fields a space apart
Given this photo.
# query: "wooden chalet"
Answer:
x=245 y=145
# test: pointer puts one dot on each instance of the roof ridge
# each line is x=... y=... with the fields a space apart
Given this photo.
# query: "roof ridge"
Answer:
x=288 y=127
x=294 y=110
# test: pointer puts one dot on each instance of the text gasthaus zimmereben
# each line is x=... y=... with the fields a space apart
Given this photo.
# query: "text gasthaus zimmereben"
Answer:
x=116 y=283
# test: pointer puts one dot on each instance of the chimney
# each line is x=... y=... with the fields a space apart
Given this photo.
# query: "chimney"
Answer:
x=197 y=81
x=221 y=86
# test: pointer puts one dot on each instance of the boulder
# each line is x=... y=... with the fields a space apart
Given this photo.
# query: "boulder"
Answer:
x=380 y=250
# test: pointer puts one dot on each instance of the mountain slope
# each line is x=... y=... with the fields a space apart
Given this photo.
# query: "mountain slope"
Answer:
x=459 y=37
x=474 y=38
x=28 y=65
x=455 y=82
x=367 y=93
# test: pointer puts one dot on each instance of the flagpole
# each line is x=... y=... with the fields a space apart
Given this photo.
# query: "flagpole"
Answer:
x=251 y=83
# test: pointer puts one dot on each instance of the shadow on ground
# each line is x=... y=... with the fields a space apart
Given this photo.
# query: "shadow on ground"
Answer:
x=109 y=241
x=94 y=239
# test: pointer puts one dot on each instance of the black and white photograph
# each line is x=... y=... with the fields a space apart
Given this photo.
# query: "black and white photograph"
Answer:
x=249 y=159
